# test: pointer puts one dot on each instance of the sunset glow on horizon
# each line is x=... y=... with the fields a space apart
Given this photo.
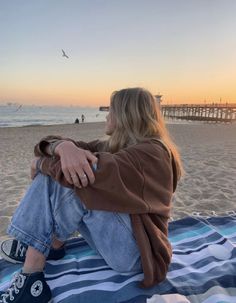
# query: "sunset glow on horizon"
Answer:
x=183 y=50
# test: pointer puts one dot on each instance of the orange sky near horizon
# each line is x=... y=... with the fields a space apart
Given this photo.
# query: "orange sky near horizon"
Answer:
x=85 y=93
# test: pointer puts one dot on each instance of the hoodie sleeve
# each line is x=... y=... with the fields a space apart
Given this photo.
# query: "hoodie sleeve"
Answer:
x=134 y=180
x=40 y=148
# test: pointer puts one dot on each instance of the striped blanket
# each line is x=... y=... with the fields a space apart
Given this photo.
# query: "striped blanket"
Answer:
x=203 y=269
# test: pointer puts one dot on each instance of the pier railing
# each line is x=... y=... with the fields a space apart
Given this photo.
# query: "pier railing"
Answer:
x=200 y=112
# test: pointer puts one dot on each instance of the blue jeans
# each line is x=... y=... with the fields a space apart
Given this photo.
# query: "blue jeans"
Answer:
x=50 y=210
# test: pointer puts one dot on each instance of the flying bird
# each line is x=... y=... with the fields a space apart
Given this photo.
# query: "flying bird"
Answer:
x=64 y=54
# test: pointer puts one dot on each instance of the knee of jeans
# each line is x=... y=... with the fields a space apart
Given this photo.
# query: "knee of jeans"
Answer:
x=41 y=178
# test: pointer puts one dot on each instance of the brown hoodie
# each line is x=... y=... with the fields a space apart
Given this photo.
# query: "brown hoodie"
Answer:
x=138 y=180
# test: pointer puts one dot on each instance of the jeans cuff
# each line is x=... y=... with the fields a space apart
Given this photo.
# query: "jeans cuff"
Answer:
x=29 y=240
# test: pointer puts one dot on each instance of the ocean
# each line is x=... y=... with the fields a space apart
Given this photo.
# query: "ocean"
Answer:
x=17 y=116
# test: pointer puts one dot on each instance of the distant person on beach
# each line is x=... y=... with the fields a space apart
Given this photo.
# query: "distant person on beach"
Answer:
x=82 y=118
x=76 y=121
x=117 y=193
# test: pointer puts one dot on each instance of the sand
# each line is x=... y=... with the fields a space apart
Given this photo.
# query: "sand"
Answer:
x=207 y=150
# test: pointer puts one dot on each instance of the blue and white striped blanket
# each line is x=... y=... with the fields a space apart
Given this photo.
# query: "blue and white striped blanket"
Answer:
x=203 y=269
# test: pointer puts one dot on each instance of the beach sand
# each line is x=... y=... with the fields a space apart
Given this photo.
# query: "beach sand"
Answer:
x=207 y=150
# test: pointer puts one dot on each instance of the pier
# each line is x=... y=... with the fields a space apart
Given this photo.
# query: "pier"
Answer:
x=217 y=113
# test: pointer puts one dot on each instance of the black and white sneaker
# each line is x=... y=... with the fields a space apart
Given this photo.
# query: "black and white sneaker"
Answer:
x=14 y=251
x=27 y=288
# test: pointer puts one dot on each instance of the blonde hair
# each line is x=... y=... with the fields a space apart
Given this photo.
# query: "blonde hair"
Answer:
x=138 y=117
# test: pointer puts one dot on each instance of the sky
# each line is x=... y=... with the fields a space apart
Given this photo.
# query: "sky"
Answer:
x=184 y=50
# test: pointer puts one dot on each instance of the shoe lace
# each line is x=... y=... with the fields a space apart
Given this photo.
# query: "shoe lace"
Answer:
x=20 y=250
x=17 y=283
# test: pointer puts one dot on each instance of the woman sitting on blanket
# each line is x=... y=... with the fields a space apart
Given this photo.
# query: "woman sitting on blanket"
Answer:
x=116 y=193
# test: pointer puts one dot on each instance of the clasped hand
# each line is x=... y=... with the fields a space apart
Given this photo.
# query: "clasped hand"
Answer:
x=76 y=164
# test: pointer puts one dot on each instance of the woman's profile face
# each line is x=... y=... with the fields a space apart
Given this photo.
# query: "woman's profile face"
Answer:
x=110 y=123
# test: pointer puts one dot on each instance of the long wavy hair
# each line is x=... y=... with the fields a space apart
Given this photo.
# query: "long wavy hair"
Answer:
x=138 y=117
